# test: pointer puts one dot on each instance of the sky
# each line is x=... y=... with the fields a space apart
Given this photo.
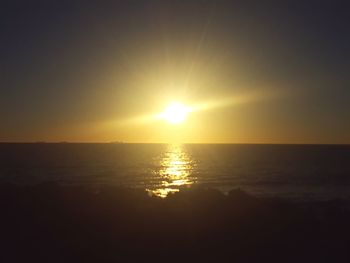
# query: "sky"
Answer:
x=99 y=71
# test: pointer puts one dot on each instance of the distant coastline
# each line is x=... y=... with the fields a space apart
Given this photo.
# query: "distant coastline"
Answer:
x=185 y=143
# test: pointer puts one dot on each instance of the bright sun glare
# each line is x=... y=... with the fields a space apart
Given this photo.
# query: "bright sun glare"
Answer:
x=175 y=113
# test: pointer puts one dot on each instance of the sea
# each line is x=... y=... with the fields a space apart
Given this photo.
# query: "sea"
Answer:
x=297 y=172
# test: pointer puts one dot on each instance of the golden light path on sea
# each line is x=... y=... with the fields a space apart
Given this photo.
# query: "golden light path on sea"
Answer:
x=175 y=172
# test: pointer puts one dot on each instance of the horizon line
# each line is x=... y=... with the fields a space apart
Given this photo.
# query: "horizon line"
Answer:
x=121 y=142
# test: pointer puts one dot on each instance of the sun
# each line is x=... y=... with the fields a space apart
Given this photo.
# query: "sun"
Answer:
x=175 y=113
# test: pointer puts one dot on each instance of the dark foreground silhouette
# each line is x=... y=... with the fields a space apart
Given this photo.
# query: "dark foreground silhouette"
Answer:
x=51 y=223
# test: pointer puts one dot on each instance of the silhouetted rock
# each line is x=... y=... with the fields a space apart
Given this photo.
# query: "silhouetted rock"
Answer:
x=53 y=223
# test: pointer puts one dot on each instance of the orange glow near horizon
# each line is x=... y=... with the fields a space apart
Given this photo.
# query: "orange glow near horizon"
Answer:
x=187 y=120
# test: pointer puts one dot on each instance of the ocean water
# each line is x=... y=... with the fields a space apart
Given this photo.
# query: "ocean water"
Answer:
x=303 y=172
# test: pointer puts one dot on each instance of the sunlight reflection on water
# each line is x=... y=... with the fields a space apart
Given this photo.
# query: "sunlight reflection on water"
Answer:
x=175 y=172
